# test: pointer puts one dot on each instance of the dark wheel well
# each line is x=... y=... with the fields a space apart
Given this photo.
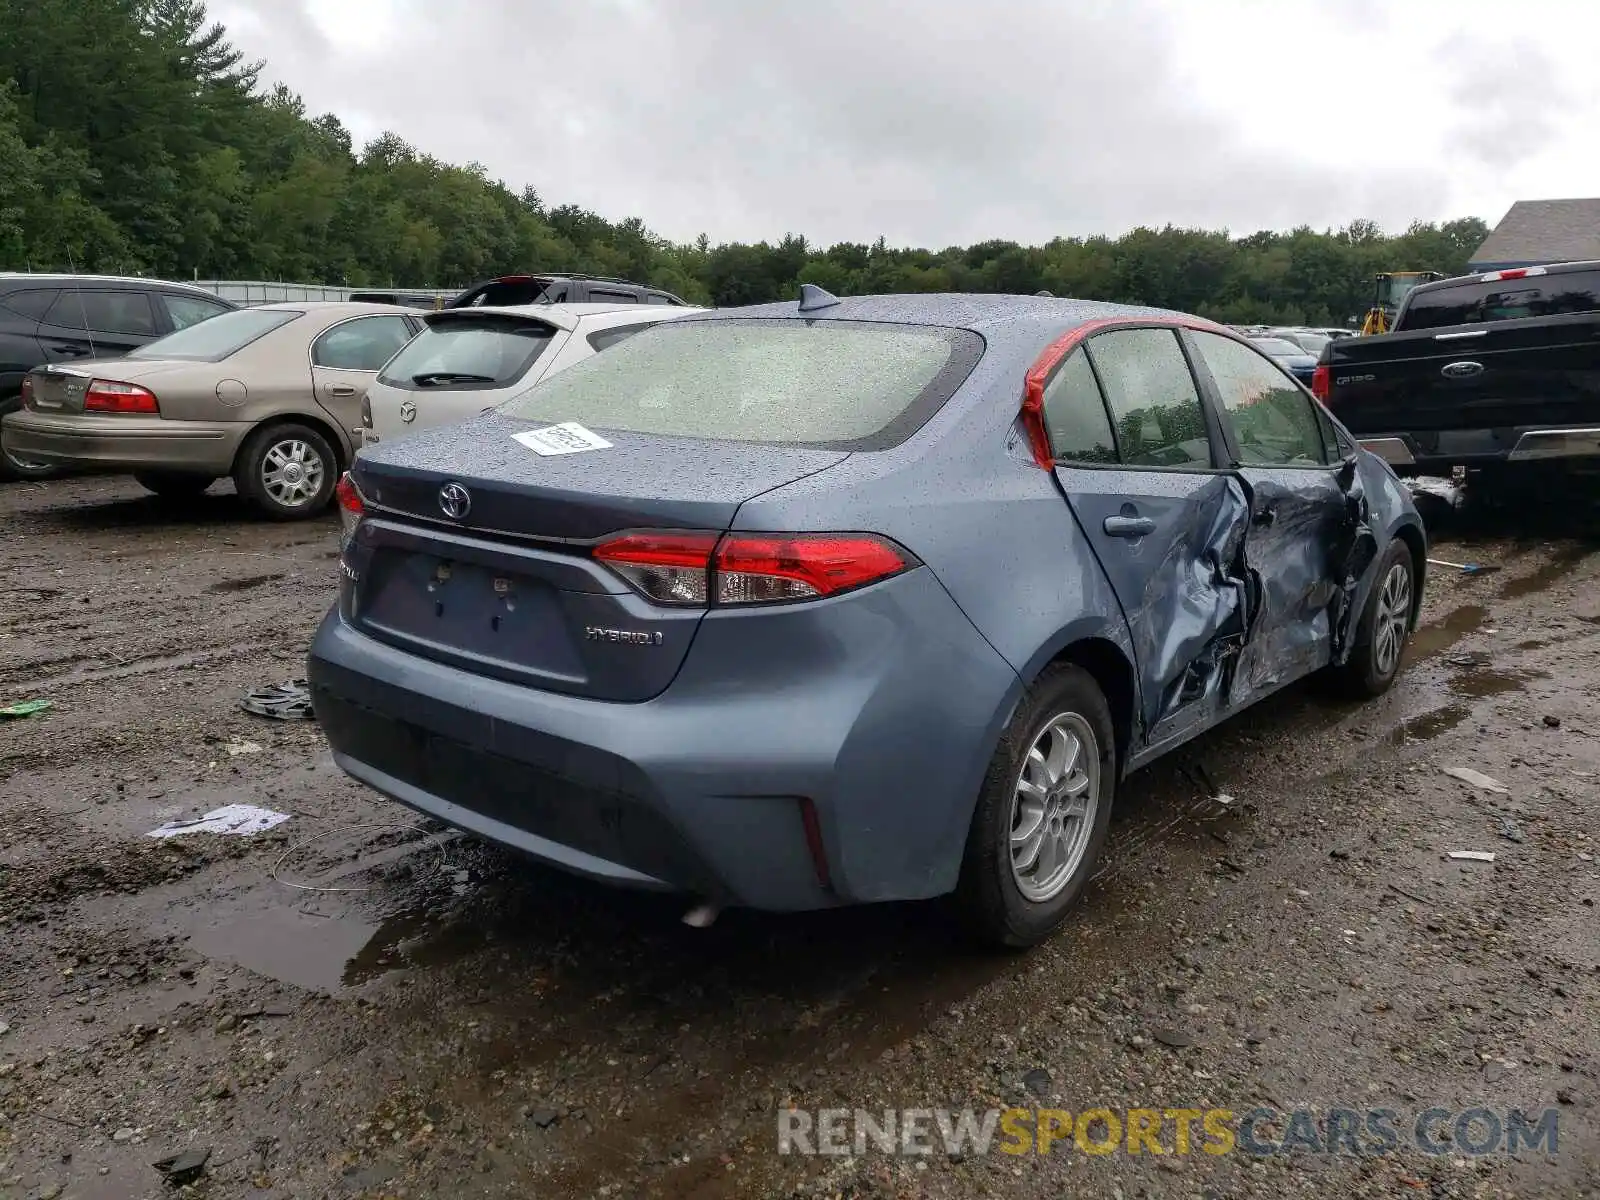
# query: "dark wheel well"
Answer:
x=1114 y=674
x=325 y=428
x=1419 y=565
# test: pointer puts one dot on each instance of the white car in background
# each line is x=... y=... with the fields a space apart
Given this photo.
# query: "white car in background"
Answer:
x=468 y=359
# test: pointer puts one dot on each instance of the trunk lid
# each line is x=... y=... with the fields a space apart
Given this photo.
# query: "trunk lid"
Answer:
x=60 y=387
x=509 y=589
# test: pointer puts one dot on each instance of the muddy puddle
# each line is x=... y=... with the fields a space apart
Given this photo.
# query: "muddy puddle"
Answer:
x=1555 y=568
x=1438 y=636
x=1429 y=725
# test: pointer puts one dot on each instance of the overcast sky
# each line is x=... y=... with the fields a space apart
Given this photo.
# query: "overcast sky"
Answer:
x=935 y=122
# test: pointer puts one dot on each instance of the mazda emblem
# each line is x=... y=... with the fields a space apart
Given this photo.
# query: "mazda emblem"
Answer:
x=1461 y=370
x=408 y=411
x=455 y=500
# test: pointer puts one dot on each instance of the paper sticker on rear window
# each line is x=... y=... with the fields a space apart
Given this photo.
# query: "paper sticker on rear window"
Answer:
x=569 y=437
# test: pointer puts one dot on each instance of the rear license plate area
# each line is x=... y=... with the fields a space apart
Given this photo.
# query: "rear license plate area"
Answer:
x=468 y=611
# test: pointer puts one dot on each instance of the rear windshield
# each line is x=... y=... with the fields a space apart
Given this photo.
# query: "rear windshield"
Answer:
x=835 y=384
x=214 y=339
x=1474 y=302
x=480 y=352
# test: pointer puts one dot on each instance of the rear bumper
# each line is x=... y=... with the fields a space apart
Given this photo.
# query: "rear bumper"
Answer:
x=123 y=443
x=1440 y=449
x=879 y=710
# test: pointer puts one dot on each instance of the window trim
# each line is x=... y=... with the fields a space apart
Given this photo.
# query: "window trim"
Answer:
x=311 y=346
x=1214 y=396
x=1061 y=460
x=1052 y=356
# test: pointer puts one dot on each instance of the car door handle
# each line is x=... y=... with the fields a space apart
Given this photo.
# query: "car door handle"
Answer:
x=341 y=389
x=1129 y=527
x=68 y=349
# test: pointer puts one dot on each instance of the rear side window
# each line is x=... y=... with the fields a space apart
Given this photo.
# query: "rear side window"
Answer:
x=1273 y=421
x=104 y=312
x=1152 y=397
x=222 y=335
x=364 y=344
x=1075 y=414
x=600 y=296
x=32 y=304
x=469 y=352
x=1475 y=302
x=191 y=310
x=844 y=385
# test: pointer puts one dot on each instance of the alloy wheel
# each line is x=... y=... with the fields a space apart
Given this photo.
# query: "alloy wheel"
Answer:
x=1393 y=619
x=291 y=473
x=1053 y=807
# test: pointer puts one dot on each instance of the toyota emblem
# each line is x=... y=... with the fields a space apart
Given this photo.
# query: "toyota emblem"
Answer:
x=455 y=500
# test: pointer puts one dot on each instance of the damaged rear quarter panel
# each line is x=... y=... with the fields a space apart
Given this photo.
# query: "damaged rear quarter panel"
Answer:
x=1390 y=513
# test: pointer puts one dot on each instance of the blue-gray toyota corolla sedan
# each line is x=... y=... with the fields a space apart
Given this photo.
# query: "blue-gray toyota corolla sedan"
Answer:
x=838 y=601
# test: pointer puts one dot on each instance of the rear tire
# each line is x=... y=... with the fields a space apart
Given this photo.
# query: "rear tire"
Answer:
x=1042 y=814
x=287 y=472
x=173 y=485
x=1381 y=632
x=12 y=468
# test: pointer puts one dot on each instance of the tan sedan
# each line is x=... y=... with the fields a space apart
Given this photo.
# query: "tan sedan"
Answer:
x=269 y=395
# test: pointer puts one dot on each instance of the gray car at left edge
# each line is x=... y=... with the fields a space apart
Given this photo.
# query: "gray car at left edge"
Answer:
x=854 y=600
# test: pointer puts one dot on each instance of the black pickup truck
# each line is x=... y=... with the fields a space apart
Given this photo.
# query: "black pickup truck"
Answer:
x=1483 y=372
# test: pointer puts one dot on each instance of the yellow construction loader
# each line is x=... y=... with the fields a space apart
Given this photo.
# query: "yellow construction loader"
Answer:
x=1389 y=289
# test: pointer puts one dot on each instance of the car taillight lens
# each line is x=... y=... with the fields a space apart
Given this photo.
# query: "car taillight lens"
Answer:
x=669 y=568
x=107 y=395
x=697 y=568
x=351 y=508
x=1320 y=381
x=758 y=570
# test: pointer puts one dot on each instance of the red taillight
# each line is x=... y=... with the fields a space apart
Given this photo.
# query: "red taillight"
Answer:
x=107 y=395
x=348 y=495
x=1321 y=383
x=758 y=570
x=698 y=569
x=669 y=568
x=27 y=389
x=351 y=508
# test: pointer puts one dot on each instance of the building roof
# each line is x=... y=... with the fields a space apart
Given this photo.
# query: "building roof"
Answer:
x=1542 y=231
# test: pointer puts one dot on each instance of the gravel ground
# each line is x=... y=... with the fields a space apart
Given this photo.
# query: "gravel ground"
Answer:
x=354 y=1004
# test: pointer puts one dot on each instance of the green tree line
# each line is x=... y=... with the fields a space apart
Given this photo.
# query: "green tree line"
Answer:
x=135 y=139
